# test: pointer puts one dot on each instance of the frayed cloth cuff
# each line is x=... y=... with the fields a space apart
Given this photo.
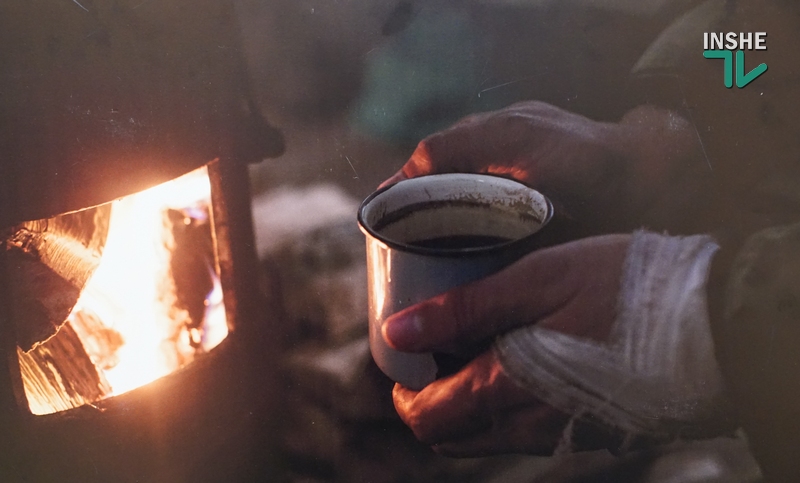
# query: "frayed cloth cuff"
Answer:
x=657 y=376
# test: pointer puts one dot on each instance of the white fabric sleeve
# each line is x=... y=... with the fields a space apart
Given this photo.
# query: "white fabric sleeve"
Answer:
x=657 y=375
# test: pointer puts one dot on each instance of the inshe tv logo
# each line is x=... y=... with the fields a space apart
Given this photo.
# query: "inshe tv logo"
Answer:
x=722 y=45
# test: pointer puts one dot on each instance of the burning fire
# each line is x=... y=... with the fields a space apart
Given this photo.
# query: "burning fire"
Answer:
x=155 y=301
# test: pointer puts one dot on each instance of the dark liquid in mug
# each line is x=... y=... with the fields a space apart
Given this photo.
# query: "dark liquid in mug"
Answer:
x=460 y=242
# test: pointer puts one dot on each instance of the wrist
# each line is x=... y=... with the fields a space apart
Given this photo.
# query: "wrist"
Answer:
x=666 y=181
x=657 y=140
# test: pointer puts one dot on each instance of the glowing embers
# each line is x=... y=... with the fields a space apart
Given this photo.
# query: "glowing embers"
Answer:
x=151 y=302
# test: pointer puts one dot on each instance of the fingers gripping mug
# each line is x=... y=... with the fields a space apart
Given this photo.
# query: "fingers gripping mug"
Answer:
x=430 y=234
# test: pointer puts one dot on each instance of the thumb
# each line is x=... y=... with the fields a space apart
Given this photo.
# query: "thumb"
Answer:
x=571 y=287
x=520 y=294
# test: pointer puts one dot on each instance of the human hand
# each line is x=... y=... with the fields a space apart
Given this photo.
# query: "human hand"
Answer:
x=606 y=176
x=479 y=410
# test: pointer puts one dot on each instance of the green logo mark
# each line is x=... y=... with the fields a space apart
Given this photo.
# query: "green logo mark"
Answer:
x=742 y=79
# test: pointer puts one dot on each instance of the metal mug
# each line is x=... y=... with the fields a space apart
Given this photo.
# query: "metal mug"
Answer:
x=430 y=234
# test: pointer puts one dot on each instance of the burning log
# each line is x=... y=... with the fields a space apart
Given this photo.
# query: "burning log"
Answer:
x=114 y=297
x=50 y=262
x=60 y=375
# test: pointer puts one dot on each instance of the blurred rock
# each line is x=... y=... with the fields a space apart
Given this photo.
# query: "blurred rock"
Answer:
x=343 y=379
x=310 y=245
x=286 y=214
x=322 y=279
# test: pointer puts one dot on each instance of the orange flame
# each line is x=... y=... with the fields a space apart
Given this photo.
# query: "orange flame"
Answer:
x=143 y=334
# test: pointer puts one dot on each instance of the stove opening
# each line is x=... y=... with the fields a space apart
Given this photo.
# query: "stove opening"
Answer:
x=111 y=298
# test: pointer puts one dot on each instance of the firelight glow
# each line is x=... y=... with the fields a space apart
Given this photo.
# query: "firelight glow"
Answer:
x=130 y=290
x=128 y=318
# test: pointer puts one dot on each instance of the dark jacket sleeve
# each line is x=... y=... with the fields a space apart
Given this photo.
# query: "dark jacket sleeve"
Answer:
x=757 y=336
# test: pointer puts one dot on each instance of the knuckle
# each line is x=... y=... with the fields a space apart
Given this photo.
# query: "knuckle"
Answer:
x=520 y=124
x=534 y=109
x=432 y=147
x=533 y=105
x=415 y=417
x=420 y=162
x=469 y=120
x=517 y=119
x=423 y=147
x=436 y=139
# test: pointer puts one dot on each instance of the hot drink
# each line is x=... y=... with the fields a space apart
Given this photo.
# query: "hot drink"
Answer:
x=430 y=234
x=460 y=242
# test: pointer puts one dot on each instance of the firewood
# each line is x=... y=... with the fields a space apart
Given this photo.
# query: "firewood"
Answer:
x=50 y=261
x=58 y=374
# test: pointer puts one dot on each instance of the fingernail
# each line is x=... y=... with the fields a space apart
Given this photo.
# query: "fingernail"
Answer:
x=403 y=332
